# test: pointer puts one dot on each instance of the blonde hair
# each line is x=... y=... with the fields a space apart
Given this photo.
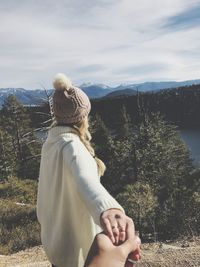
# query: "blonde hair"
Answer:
x=85 y=136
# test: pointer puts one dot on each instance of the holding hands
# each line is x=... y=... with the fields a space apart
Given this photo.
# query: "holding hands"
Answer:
x=104 y=252
x=114 y=223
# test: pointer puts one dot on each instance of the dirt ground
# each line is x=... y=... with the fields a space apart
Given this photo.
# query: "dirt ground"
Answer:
x=153 y=255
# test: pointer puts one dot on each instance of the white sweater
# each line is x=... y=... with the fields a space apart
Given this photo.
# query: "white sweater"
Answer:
x=70 y=198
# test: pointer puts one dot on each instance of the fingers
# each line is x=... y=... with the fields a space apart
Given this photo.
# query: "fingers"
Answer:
x=116 y=234
x=131 y=242
x=109 y=221
x=136 y=254
x=122 y=230
x=130 y=229
x=114 y=223
x=107 y=228
x=122 y=236
x=114 y=227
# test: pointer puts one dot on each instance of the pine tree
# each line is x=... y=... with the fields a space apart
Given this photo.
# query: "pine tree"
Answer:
x=140 y=203
x=155 y=155
x=189 y=206
x=4 y=167
x=23 y=144
x=163 y=161
x=123 y=125
x=104 y=146
x=101 y=138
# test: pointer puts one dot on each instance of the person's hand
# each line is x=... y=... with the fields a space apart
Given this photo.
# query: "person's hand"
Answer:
x=104 y=253
x=134 y=256
x=114 y=223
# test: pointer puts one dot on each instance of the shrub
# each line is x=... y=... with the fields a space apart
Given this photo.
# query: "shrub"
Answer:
x=19 y=228
x=20 y=237
x=24 y=191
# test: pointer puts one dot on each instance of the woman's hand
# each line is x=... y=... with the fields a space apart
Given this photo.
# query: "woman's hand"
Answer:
x=104 y=253
x=114 y=223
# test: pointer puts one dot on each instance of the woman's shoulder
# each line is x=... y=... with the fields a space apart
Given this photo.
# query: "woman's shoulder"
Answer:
x=74 y=146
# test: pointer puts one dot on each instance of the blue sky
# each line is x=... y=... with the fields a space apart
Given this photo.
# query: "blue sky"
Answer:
x=98 y=41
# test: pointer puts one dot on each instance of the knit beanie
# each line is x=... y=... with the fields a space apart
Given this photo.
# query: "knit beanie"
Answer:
x=70 y=103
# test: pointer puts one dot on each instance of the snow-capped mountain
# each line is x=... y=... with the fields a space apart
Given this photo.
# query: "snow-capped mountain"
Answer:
x=153 y=86
x=96 y=90
x=38 y=96
x=99 y=85
x=26 y=97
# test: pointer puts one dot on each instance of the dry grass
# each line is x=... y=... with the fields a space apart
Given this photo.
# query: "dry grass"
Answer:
x=154 y=255
x=170 y=255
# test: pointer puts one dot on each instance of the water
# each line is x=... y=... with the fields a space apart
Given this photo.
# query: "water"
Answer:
x=191 y=137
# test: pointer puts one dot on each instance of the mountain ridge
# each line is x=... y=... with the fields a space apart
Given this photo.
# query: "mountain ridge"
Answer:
x=38 y=96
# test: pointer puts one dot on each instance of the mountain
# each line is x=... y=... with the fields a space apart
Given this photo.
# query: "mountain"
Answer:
x=38 y=96
x=26 y=97
x=96 y=90
x=121 y=92
x=154 y=86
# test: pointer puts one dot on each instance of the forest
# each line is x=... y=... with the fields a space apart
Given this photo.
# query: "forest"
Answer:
x=179 y=106
x=149 y=169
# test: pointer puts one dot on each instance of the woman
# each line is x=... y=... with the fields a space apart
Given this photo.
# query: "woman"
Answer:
x=72 y=205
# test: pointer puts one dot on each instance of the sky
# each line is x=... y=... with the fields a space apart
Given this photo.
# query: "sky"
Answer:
x=99 y=41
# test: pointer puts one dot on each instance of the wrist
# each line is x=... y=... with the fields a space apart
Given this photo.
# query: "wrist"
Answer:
x=113 y=209
x=102 y=261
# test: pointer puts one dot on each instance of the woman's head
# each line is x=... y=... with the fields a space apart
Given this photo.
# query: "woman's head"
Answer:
x=70 y=103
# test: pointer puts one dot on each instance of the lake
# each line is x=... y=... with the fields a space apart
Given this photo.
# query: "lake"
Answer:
x=191 y=138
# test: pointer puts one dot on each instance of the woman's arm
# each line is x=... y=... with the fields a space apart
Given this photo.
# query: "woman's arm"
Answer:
x=105 y=210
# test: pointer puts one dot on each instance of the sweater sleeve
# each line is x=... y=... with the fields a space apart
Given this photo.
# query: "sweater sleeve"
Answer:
x=85 y=175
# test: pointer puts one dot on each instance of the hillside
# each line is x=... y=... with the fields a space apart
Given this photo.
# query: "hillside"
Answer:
x=124 y=92
x=180 y=106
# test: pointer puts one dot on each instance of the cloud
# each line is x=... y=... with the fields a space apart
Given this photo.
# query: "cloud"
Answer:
x=90 y=68
x=103 y=41
x=186 y=19
x=143 y=69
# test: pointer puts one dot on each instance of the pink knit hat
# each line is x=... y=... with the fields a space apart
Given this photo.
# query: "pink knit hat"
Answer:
x=70 y=103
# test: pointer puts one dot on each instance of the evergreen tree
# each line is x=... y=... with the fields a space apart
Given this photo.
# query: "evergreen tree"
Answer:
x=121 y=170
x=4 y=157
x=140 y=203
x=101 y=138
x=163 y=159
x=123 y=125
x=190 y=204
x=104 y=146
x=23 y=144
x=154 y=154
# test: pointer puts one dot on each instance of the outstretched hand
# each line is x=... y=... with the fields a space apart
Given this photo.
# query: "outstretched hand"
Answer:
x=104 y=253
x=114 y=223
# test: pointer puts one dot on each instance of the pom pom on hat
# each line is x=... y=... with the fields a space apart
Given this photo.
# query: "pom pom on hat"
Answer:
x=62 y=82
